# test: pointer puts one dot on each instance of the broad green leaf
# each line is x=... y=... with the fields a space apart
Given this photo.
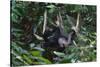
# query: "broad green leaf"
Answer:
x=36 y=53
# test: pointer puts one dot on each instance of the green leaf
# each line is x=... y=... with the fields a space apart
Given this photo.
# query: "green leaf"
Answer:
x=17 y=34
x=44 y=60
x=70 y=56
x=50 y=6
x=15 y=11
x=16 y=30
x=16 y=56
x=36 y=53
x=27 y=59
x=59 y=54
x=32 y=45
x=14 y=18
x=39 y=48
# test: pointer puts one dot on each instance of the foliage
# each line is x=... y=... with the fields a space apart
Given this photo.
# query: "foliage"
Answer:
x=26 y=47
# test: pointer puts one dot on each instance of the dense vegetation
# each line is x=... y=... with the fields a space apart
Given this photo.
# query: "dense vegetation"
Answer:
x=27 y=19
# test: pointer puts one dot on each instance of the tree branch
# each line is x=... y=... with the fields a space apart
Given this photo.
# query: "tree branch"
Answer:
x=77 y=22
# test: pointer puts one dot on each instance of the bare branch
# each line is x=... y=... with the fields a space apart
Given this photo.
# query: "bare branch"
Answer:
x=45 y=21
x=60 y=18
x=78 y=20
x=74 y=26
x=60 y=23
